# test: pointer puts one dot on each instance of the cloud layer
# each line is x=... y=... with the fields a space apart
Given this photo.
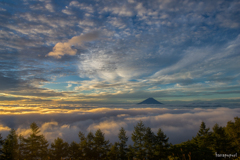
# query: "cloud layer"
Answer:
x=180 y=123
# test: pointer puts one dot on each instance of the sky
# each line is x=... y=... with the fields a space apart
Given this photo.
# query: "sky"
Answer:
x=59 y=56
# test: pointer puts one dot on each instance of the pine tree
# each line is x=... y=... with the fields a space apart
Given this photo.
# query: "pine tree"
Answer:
x=203 y=141
x=101 y=146
x=221 y=142
x=21 y=147
x=82 y=146
x=122 y=144
x=233 y=132
x=10 y=146
x=59 y=149
x=138 y=139
x=114 y=152
x=161 y=145
x=32 y=144
x=87 y=146
x=1 y=144
x=130 y=153
x=203 y=138
x=43 y=150
x=74 y=151
x=149 y=143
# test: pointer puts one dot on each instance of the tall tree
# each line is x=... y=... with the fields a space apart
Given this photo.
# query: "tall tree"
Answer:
x=1 y=144
x=101 y=146
x=161 y=145
x=130 y=153
x=87 y=146
x=233 y=131
x=43 y=150
x=122 y=144
x=10 y=146
x=32 y=144
x=204 y=141
x=149 y=143
x=114 y=152
x=221 y=142
x=138 y=139
x=21 y=147
x=59 y=149
x=203 y=137
x=74 y=151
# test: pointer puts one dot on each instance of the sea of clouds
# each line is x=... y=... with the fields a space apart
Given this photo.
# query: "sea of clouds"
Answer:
x=178 y=122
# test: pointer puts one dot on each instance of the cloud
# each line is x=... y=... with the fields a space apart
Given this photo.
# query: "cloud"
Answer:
x=180 y=123
x=65 y=48
x=66 y=11
x=49 y=7
x=4 y=130
x=168 y=48
x=119 y=10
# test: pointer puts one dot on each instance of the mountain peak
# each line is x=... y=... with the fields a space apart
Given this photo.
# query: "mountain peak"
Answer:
x=150 y=101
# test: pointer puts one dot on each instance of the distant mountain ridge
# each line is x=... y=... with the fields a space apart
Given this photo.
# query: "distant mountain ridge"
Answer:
x=150 y=101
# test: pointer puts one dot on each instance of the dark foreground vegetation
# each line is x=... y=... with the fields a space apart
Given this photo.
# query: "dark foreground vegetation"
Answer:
x=146 y=146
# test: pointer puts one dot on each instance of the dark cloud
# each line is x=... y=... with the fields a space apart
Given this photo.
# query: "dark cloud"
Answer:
x=8 y=82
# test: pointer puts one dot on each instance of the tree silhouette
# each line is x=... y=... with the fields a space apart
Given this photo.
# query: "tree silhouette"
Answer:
x=59 y=149
x=122 y=144
x=33 y=145
x=10 y=146
x=138 y=139
x=1 y=144
x=87 y=146
x=203 y=138
x=101 y=146
x=43 y=150
x=74 y=151
x=149 y=143
x=21 y=147
x=161 y=145
x=233 y=132
x=130 y=153
x=114 y=152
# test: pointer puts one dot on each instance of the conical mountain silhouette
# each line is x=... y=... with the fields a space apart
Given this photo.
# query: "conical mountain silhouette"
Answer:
x=150 y=101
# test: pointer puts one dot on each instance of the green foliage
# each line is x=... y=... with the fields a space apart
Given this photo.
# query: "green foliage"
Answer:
x=122 y=144
x=221 y=142
x=190 y=151
x=130 y=153
x=10 y=146
x=149 y=143
x=35 y=145
x=161 y=145
x=74 y=151
x=94 y=147
x=59 y=149
x=138 y=139
x=114 y=152
x=86 y=146
x=21 y=147
x=101 y=146
x=43 y=150
x=233 y=131
x=204 y=137
x=1 y=144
